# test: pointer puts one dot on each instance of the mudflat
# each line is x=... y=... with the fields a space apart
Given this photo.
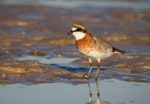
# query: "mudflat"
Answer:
x=41 y=32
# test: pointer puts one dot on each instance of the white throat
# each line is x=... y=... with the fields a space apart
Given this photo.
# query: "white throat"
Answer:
x=78 y=35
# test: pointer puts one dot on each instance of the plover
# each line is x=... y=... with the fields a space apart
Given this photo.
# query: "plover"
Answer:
x=92 y=46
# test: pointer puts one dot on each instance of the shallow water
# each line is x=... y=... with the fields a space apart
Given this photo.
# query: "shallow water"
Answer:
x=46 y=60
x=137 y=4
x=112 y=91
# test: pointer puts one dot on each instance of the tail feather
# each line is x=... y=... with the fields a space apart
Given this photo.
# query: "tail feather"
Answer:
x=115 y=50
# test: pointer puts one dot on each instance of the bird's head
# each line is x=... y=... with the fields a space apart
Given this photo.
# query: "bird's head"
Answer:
x=78 y=31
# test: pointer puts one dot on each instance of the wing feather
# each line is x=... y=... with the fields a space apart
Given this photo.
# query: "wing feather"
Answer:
x=102 y=43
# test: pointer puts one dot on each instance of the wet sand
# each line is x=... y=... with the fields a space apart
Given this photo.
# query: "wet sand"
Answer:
x=41 y=31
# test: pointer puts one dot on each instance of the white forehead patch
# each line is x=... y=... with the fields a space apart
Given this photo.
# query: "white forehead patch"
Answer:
x=74 y=28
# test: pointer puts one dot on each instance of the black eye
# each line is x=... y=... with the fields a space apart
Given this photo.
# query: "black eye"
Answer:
x=79 y=29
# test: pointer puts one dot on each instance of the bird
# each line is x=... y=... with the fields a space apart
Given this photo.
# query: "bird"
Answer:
x=92 y=46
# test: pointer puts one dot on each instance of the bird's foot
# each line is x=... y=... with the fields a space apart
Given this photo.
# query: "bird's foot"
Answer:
x=86 y=76
x=96 y=79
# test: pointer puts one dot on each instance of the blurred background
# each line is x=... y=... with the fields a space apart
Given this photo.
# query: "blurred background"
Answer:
x=38 y=28
x=35 y=49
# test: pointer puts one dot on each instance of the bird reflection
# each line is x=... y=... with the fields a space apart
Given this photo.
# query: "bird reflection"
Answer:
x=98 y=101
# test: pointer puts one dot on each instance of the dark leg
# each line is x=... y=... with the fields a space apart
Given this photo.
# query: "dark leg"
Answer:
x=98 y=70
x=98 y=90
x=89 y=73
x=90 y=93
x=90 y=70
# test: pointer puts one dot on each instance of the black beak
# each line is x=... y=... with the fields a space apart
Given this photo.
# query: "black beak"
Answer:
x=70 y=32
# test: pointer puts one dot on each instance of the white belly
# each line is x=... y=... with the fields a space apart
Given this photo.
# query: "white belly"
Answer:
x=98 y=56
